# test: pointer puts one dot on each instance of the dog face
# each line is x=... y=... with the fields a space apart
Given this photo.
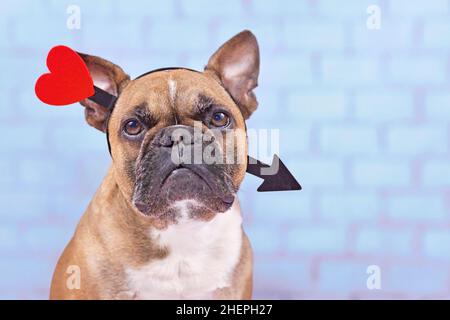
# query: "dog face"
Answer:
x=177 y=137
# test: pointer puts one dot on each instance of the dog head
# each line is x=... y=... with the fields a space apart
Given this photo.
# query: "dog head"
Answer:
x=177 y=136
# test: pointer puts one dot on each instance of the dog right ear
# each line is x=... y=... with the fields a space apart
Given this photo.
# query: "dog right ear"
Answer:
x=236 y=65
x=107 y=76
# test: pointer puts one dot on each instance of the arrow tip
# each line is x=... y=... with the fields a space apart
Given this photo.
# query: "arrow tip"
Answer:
x=283 y=180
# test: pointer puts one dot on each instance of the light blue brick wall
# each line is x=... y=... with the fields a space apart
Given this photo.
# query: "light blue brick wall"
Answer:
x=434 y=173
x=417 y=207
x=431 y=33
x=349 y=207
x=327 y=35
x=412 y=280
x=390 y=242
x=363 y=115
x=317 y=105
x=435 y=104
x=338 y=139
x=316 y=239
x=436 y=244
x=382 y=106
x=379 y=173
x=418 y=71
x=338 y=277
x=424 y=139
x=434 y=8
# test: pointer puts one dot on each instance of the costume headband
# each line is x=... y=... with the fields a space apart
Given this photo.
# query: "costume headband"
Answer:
x=70 y=81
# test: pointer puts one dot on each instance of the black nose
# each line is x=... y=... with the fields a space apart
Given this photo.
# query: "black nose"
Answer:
x=169 y=136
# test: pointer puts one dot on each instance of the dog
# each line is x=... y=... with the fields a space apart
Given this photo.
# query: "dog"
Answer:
x=159 y=228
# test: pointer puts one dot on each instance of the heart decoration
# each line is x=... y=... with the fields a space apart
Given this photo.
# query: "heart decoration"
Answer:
x=69 y=80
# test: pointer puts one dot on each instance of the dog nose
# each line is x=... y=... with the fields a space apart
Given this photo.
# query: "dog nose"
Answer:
x=169 y=136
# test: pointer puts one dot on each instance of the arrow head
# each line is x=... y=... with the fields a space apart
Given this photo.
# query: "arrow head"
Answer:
x=282 y=180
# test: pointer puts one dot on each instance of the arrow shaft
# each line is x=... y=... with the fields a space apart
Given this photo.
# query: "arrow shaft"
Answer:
x=254 y=167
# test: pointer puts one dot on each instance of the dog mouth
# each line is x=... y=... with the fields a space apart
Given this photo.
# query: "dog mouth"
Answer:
x=204 y=174
x=183 y=182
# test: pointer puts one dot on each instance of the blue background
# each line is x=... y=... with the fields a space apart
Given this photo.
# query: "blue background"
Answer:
x=363 y=116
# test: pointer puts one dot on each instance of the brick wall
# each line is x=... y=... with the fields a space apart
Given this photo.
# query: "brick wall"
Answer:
x=363 y=115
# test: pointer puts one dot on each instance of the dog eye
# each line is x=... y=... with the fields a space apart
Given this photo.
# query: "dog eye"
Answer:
x=133 y=127
x=220 y=119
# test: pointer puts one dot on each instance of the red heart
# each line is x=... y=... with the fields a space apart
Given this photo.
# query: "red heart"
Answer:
x=69 y=80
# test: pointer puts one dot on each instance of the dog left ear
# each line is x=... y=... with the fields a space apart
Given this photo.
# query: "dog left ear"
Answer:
x=110 y=78
x=236 y=64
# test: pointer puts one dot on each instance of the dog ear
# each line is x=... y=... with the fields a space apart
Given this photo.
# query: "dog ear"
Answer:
x=236 y=64
x=106 y=76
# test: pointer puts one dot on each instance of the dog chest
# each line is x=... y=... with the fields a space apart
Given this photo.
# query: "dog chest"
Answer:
x=201 y=259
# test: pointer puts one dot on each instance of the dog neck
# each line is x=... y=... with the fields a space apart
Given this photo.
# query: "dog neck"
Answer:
x=115 y=215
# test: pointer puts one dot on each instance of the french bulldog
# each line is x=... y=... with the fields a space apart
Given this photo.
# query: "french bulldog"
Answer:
x=161 y=226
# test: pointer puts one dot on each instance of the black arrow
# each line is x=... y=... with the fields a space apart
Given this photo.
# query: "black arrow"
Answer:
x=282 y=180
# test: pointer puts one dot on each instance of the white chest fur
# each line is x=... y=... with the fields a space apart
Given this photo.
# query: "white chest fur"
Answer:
x=202 y=256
